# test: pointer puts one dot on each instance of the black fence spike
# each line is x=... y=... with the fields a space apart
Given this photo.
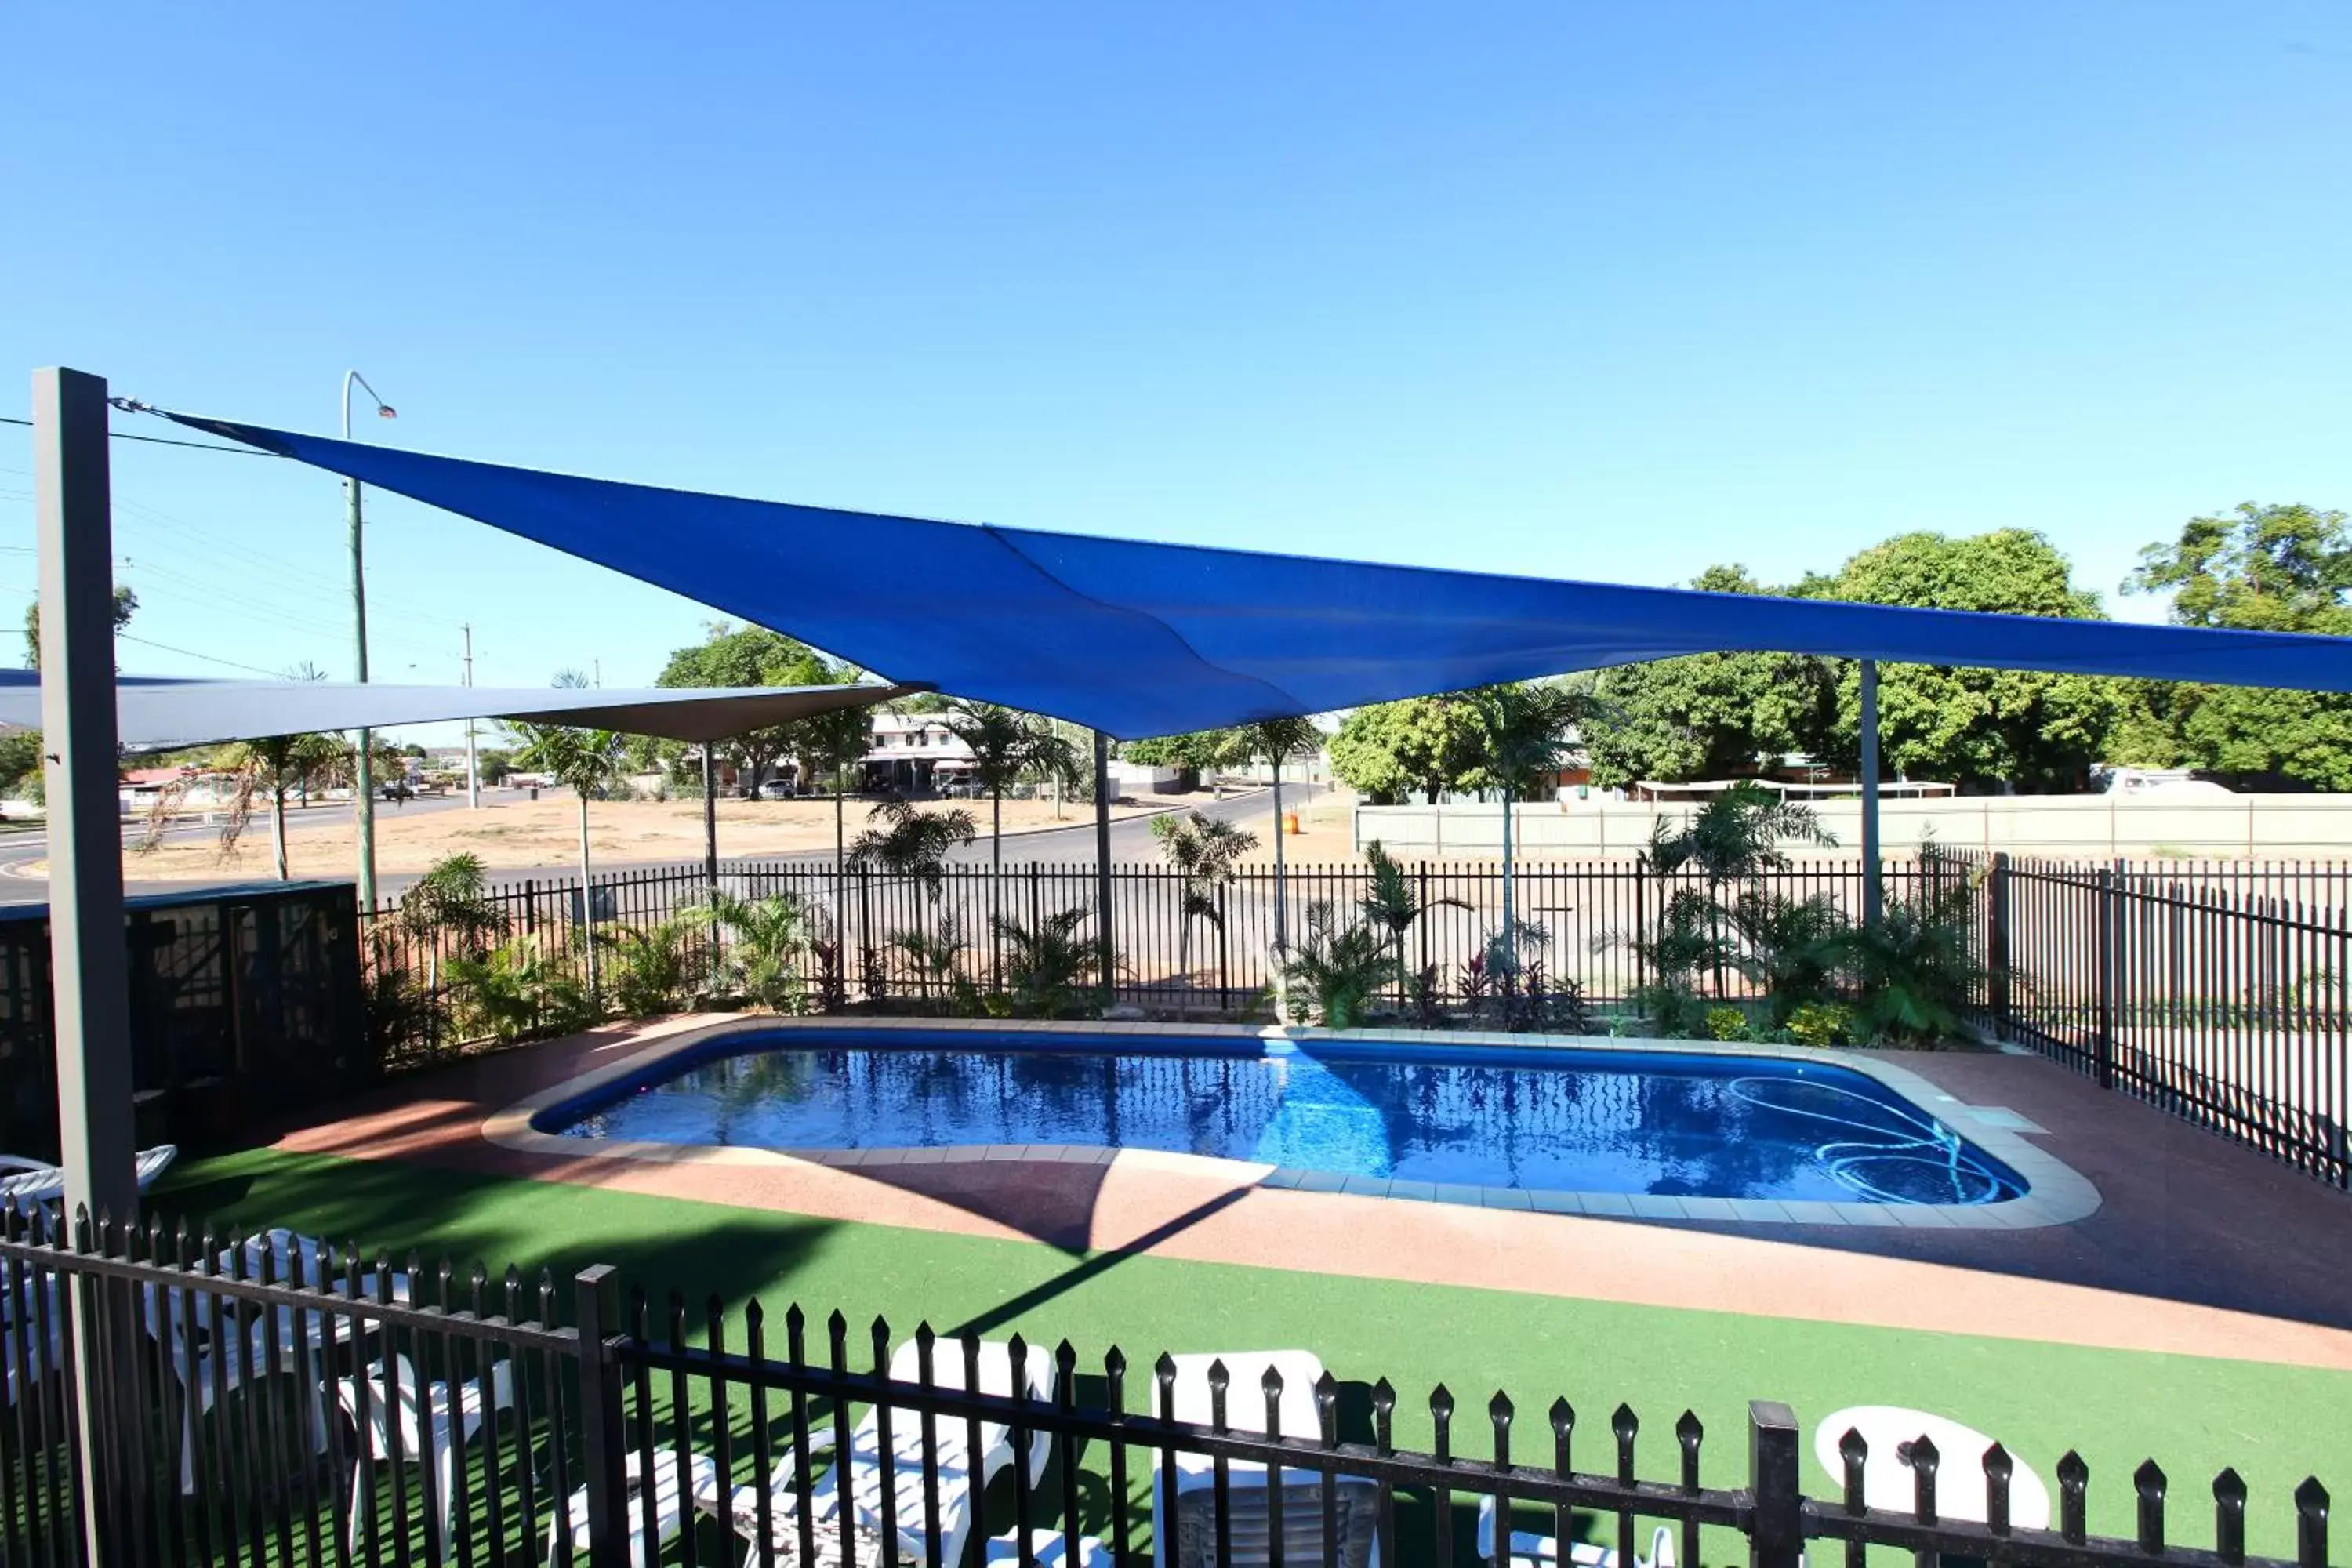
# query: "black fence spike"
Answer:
x=1924 y=1459
x=1327 y=1408
x=1999 y=1469
x=2074 y=1497
x=1626 y=1427
x=2148 y=1483
x=1689 y=1433
x=1383 y=1416
x=2230 y=1516
x=2311 y=1525
x=1854 y=1451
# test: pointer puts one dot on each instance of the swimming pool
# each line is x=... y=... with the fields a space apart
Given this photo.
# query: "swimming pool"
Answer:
x=1685 y=1123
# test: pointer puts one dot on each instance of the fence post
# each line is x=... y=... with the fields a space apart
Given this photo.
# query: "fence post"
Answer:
x=598 y=1310
x=530 y=906
x=1641 y=928
x=1997 y=945
x=2103 y=1042
x=1775 y=1528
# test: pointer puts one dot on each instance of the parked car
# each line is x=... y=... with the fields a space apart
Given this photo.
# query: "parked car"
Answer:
x=396 y=789
x=778 y=789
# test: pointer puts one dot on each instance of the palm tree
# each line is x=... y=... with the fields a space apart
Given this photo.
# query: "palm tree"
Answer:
x=452 y=896
x=1735 y=838
x=763 y=958
x=1392 y=903
x=1275 y=739
x=1202 y=849
x=591 y=762
x=1006 y=743
x=272 y=767
x=911 y=843
x=1524 y=734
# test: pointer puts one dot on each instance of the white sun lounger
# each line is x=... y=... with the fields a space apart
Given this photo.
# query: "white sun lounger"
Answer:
x=960 y=1481
x=1532 y=1551
x=33 y=1183
x=1191 y=1542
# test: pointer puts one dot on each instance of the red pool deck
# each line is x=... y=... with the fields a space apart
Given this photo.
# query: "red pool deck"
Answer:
x=2198 y=1245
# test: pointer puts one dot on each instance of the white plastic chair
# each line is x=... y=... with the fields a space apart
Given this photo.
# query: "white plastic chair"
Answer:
x=669 y=1515
x=315 y=1333
x=960 y=1482
x=32 y=1330
x=36 y=1183
x=1529 y=1550
x=432 y=1424
x=1182 y=1530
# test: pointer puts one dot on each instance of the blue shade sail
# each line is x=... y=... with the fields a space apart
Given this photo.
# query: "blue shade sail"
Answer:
x=1138 y=638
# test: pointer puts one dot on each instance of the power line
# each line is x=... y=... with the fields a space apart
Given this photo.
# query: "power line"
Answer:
x=165 y=441
x=211 y=658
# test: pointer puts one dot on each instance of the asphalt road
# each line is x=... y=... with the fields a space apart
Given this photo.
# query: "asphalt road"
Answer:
x=1131 y=840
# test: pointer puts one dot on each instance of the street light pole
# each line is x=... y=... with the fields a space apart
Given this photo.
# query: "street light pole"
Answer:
x=364 y=772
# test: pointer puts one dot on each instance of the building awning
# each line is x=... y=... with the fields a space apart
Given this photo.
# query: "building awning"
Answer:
x=1138 y=639
x=152 y=713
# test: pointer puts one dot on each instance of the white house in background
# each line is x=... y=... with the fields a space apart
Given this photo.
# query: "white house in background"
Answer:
x=914 y=754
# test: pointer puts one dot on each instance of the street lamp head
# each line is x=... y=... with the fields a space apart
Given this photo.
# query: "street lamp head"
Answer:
x=386 y=411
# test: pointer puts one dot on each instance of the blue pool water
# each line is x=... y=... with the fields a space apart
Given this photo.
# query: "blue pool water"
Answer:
x=1619 y=1122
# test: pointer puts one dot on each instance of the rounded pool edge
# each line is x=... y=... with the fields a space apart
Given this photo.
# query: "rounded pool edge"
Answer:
x=2055 y=1193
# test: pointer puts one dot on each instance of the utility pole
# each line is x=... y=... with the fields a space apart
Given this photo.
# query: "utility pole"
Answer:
x=473 y=763
x=363 y=772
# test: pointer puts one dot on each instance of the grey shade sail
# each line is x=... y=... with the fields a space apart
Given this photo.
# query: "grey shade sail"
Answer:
x=155 y=711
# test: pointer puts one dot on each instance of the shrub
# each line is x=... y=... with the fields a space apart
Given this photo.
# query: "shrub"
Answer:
x=1727 y=1023
x=654 y=968
x=764 y=941
x=1045 y=970
x=1344 y=966
x=1821 y=1024
x=516 y=990
x=1913 y=970
x=1675 y=1010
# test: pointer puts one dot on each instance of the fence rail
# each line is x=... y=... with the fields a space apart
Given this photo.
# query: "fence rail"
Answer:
x=328 y=1409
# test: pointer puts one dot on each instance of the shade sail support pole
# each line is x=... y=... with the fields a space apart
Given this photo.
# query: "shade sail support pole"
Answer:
x=88 y=952
x=1873 y=894
x=1103 y=944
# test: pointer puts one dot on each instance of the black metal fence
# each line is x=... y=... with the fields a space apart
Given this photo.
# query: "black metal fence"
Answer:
x=2216 y=990
x=1594 y=915
x=2220 y=992
x=270 y=1399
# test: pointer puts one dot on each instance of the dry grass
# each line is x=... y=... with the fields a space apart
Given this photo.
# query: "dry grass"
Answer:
x=512 y=834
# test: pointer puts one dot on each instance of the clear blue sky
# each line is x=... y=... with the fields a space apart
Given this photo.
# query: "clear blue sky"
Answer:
x=1611 y=292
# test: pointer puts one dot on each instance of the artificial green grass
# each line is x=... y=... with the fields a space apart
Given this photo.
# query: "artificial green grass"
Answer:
x=2193 y=1415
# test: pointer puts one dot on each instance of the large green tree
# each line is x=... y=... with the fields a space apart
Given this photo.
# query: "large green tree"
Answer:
x=1391 y=751
x=1708 y=716
x=751 y=655
x=2261 y=568
x=1962 y=725
x=126 y=604
x=1722 y=715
